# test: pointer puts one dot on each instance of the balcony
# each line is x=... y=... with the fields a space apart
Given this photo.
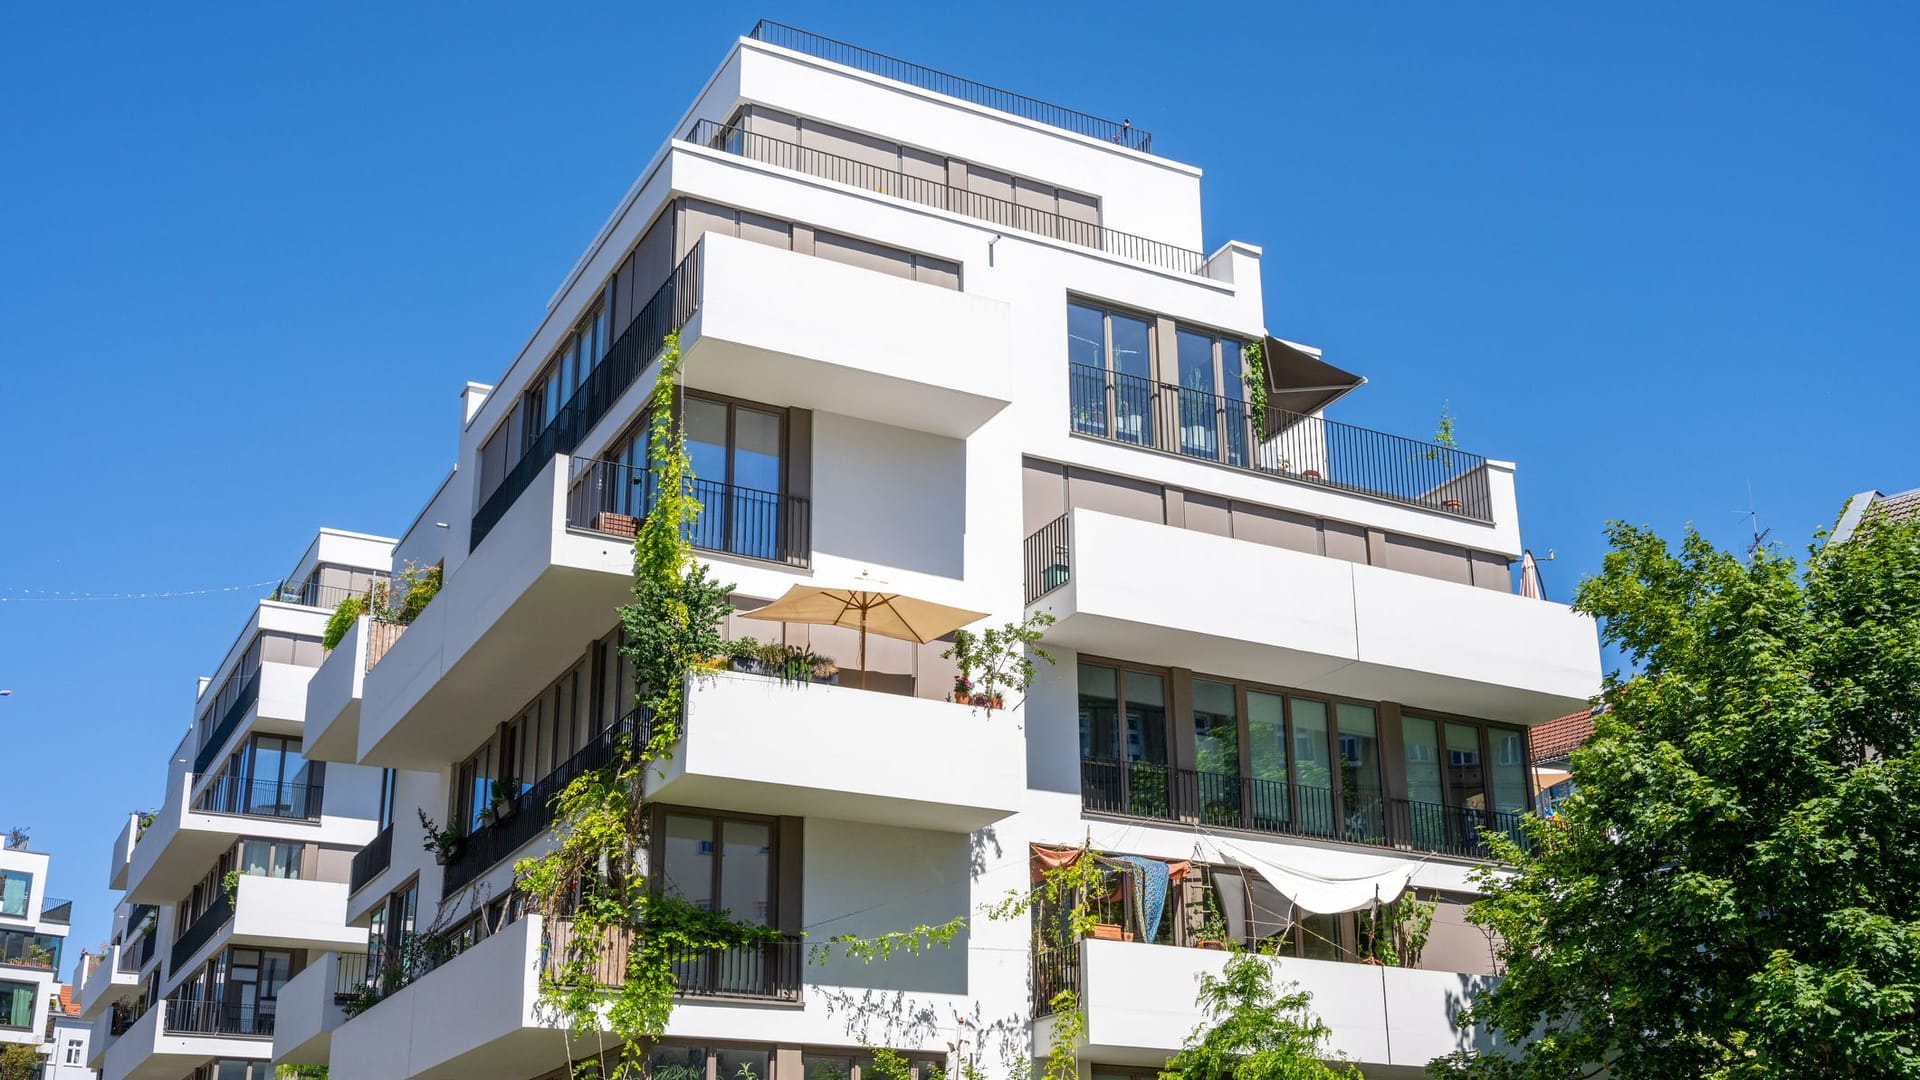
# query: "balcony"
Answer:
x=308 y=1010
x=371 y=861
x=1121 y=132
x=768 y=972
x=759 y=745
x=1150 y=792
x=184 y=839
x=261 y=798
x=332 y=728
x=610 y=498
x=276 y=913
x=123 y=852
x=272 y=698
x=1139 y=1005
x=231 y=701
x=1300 y=448
x=114 y=977
x=178 y=1035
x=782 y=154
x=1159 y=594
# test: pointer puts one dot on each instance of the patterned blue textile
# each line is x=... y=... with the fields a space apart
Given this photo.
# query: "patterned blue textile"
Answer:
x=1151 y=876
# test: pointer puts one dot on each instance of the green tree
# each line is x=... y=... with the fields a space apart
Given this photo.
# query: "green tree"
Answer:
x=20 y=1061
x=1254 y=1030
x=1734 y=891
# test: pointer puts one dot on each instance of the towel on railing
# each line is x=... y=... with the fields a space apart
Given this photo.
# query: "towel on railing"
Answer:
x=1149 y=878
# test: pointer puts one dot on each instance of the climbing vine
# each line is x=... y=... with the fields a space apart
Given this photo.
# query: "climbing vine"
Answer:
x=611 y=969
x=1253 y=376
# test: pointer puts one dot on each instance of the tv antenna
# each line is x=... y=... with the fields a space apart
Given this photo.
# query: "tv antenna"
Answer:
x=1753 y=522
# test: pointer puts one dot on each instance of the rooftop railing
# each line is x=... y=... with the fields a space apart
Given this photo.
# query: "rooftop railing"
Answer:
x=671 y=306
x=1309 y=449
x=781 y=154
x=1120 y=132
x=314 y=594
x=56 y=911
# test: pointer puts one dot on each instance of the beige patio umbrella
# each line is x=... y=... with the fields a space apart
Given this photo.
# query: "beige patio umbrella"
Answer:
x=869 y=610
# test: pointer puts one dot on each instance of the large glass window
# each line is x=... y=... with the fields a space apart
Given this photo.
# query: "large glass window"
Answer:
x=720 y=864
x=1268 y=794
x=738 y=456
x=1509 y=770
x=1123 y=740
x=15 y=888
x=1110 y=365
x=1361 y=795
x=271 y=858
x=1216 y=736
x=32 y=950
x=16 y=1005
x=1466 y=782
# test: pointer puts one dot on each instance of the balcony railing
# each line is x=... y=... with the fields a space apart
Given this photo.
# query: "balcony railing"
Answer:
x=610 y=497
x=128 y=961
x=671 y=306
x=125 y=1015
x=217 y=915
x=56 y=911
x=485 y=847
x=781 y=154
x=769 y=971
x=219 y=1015
x=370 y=861
x=1055 y=968
x=1049 y=557
x=1161 y=416
x=1120 y=132
x=1156 y=792
x=236 y=710
x=315 y=595
x=147 y=944
x=261 y=798
x=350 y=977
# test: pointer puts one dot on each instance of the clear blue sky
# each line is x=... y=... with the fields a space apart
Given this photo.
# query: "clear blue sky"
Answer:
x=1657 y=254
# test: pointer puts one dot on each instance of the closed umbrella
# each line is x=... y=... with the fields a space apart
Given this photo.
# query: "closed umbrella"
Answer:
x=1530 y=576
x=868 y=610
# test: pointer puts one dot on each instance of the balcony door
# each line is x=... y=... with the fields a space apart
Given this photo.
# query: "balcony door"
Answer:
x=1213 y=414
x=736 y=452
x=1110 y=372
x=278 y=778
x=1123 y=741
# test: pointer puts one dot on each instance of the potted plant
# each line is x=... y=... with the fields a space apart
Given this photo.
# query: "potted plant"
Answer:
x=1003 y=656
x=826 y=671
x=962 y=689
x=506 y=793
x=1106 y=931
x=743 y=654
x=1213 y=928
x=444 y=843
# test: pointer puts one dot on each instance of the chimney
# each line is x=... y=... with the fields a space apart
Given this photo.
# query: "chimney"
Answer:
x=472 y=396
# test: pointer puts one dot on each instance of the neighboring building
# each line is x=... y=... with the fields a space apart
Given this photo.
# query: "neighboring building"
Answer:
x=240 y=877
x=968 y=345
x=1903 y=506
x=67 y=1038
x=1552 y=745
x=33 y=933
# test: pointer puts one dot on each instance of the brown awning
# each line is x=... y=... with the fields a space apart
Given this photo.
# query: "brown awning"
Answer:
x=1300 y=382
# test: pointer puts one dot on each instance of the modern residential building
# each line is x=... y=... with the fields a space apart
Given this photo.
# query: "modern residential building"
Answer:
x=33 y=933
x=950 y=342
x=239 y=878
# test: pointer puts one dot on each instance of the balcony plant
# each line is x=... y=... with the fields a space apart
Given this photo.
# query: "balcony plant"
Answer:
x=1002 y=656
x=505 y=795
x=444 y=843
x=230 y=884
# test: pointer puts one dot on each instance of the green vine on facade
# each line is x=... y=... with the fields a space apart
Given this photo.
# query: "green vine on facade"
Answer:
x=1253 y=376
x=883 y=947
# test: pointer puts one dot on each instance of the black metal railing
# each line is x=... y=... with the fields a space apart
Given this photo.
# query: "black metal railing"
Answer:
x=125 y=1015
x=1049 y=557
x=768 y=969
x=313 y=594
x=1161 y=793
x=350 y=976
x=56 y=911
x=611 y=497
x=217 y=915
x=369 y=861
x=669 y=309
x=147 y=945
x=1056 y=968
x=218 y=1014
x=532 y=812
x=1143 y=412
x=1450 y=830
x=261 y=798
x=236 y=710
x=1121 y=132
x=1005 y=213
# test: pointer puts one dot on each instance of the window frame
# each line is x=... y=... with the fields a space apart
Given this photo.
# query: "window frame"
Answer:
x=657 y=852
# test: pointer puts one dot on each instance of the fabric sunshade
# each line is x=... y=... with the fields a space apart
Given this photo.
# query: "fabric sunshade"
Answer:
x=870 y=611
x=1300 y=382
x=1320 y=895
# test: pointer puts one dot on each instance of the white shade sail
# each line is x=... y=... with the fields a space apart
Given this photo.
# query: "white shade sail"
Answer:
x=1319 y=894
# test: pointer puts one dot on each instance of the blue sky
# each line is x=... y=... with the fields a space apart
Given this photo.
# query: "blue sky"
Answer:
x=1659 y=255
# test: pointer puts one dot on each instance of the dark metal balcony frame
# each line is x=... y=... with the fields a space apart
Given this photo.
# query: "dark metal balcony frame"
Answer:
x=190 y=1014
x=261 y=798
x=236 y=712
x=768 y=971
x=1118 y=132
x=1141 y=790
x=371 y=861
x=782 y=154
x=735 y=520
x=218 y=914
x=1199 y=425
x=669 y=309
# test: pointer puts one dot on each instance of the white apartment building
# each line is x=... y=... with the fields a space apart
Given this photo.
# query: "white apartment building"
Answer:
x=966 y=344
x=33 y=932
x=239 y=878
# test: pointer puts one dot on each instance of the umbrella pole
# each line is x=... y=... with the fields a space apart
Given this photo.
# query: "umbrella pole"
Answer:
x=863 y=648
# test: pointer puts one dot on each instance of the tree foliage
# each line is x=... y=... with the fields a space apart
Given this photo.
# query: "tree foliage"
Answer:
x=1734 y=890
x=20 y=1061
x=1255 y=1030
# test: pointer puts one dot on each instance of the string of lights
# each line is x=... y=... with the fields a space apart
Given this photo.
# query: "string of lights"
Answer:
x=59 y=595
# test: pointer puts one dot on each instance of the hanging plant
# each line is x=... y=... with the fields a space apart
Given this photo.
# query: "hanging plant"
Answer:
x=1253 y=376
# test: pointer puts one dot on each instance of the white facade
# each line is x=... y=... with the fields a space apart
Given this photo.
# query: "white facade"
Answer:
x=237 y=881
x=33 y=932
x=1299 y=644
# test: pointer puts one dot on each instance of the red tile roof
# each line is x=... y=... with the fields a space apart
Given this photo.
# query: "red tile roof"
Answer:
x=1555 y=739
x=67 y=1004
